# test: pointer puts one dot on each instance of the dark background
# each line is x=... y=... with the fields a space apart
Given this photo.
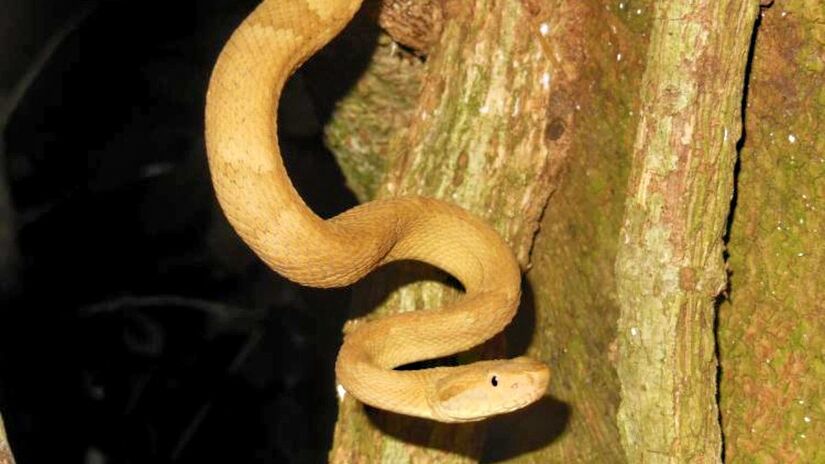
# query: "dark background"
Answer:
x=134 y=325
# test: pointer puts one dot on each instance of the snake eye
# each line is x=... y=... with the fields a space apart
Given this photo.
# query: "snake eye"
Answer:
x=494 y=381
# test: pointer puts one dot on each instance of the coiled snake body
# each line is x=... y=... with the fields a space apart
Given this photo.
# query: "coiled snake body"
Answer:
x=262 y=205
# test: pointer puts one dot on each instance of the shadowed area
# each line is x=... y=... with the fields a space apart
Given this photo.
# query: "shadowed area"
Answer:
x=141 y=329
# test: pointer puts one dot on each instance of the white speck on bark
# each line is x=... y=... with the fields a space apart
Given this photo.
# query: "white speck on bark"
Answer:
x=544 y=29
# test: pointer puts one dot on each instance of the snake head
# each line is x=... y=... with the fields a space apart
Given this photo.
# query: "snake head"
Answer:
x=488 y=388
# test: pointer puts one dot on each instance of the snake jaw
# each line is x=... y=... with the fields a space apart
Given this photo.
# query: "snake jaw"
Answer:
x=488 y=388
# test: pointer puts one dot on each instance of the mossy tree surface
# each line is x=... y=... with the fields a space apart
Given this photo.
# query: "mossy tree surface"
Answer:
x=489 y=132
x=572 y=275
x=670 y=268
x=641 y=171
x=584 y=108
x=381 y=103
x=772 y=346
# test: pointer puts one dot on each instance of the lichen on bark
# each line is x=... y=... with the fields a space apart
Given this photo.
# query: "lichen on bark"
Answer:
x=670 y=267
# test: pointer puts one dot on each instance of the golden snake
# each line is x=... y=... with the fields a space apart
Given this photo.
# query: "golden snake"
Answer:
x=262 y=205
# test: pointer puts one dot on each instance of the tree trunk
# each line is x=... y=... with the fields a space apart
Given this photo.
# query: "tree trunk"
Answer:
x=771 y=331
x=600 y=138
x=670 y=267
x=502 y=127
x=482 y=135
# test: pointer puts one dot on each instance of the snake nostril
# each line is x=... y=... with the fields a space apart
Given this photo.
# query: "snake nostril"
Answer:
x=494 y=381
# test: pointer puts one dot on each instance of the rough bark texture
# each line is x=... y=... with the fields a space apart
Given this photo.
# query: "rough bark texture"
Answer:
x=572 y=278
x=414 y=23
x=670 y=267
x=5 y=450
x=771 y=333
x=487 y=133
x=669 y=263
x=367 y=118
x=570 y=294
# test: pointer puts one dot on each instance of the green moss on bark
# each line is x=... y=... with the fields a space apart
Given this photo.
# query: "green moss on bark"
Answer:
x=670 y=266
x=771 y=332
x=572 y=278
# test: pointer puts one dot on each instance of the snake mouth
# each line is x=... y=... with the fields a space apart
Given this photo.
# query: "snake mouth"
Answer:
x=486 y=413
x=524 y=402
x=520 y=403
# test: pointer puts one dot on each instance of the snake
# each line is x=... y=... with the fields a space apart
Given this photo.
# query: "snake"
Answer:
x=259 y=200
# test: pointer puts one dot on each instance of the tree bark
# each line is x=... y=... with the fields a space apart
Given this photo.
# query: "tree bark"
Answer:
x=6 y=456
x=572 y=278
x=600 y=139
x=670 y=267
x=570 y=296
x=771 y=332
x=483 y=136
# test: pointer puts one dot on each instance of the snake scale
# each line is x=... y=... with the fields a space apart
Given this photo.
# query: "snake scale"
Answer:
x=262 y=205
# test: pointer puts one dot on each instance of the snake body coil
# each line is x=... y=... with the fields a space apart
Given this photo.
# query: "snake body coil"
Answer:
x=262 y=205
